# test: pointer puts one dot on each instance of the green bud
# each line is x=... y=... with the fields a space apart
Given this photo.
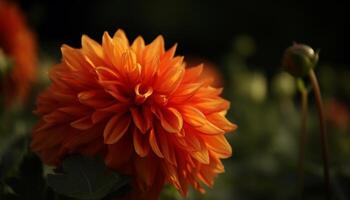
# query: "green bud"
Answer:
x=299 y=59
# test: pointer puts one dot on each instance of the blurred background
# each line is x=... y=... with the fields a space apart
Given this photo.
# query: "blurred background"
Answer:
x=241 y=43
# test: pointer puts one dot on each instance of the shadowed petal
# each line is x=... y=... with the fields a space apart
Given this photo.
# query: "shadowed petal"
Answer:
x=154 y=144
x=116 y=128
x=141 y=144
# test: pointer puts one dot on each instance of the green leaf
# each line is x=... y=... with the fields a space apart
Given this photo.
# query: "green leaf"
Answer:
x=11 y=155
x=29 y=183
x=86 y=178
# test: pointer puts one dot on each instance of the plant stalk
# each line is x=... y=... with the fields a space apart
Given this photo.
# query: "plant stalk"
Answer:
x=323 y=135
x=302 y=142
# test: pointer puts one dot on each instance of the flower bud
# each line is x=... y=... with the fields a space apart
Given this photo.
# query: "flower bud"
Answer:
x=299 y=59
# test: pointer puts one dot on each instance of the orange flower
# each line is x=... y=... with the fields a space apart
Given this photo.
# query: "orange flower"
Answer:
x=138 y=107
x=18 y=43
x=210 y=71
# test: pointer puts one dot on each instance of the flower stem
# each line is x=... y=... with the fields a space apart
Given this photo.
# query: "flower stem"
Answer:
x=323 y=136
x=304 y=116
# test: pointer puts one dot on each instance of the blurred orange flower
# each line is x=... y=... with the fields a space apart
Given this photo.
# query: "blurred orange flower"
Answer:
x=338 y=114
x=210 y=71
x=18 y=43
x=140 y=108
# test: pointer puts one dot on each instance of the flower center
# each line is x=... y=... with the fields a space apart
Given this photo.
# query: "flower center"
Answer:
x=142 y=92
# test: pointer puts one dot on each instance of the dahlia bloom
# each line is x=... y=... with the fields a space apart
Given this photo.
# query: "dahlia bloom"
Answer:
x=138 y=107
x=18 y=43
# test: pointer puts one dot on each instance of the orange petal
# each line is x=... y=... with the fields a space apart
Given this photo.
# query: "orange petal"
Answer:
x=142 y=93
x=148 y=116
x=86 y=137
x=124 y=148
x=95 y=98
x=106 y=74
x=72 y=57
x=108 y=49
x=138 y=119
x=141 y=144
x=169 y=53
x=56 y=117
x=43 y=140
x=185 y=91
x=171 y=120
x=193 y=142
x=138 y=46
x=153 y=50
x=120 y=34
x=201 y=156
x=92 y=49
x=131 y=68
x=103 y=113
x=220 y=120
x=82 y=123
x=192 y=74
x=154 y=144
x=210 y=105
x=167 y=148
x=192 y=116
x=209 y=128
x=98 y=116
x=116 y=128
x=171 y=175
x=74 y=110
x=218 y=144
x=171 y=79
x=146 y=169
x=166 y=59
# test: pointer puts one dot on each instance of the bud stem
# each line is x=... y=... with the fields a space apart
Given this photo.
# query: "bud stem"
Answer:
x=304 y=117
x=323 y=136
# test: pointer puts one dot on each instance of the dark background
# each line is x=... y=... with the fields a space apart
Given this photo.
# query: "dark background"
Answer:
x=203 y=28
x=264 y=102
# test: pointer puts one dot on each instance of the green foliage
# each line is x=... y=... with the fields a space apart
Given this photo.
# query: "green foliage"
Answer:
x=29 y=183
x=86 y=178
